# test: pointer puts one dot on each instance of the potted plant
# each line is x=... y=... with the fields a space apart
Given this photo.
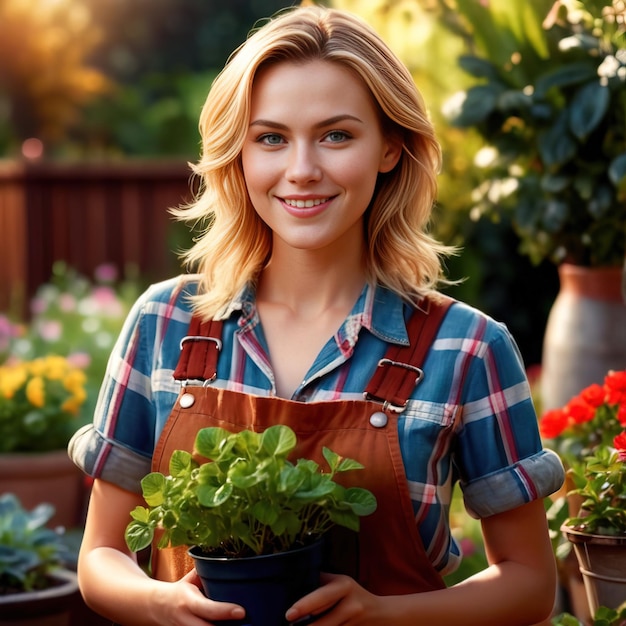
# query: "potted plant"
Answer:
x=34 y=586
x=549 y=102
x=598 y=532
x=40 y=401
x=245 y=506
x=589 y=434
x=588 y=423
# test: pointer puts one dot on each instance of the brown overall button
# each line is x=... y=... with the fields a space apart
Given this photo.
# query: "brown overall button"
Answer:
x=187 y=400
x=378 y=419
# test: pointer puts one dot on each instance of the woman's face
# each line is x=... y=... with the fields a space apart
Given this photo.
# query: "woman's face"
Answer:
x=312 y=154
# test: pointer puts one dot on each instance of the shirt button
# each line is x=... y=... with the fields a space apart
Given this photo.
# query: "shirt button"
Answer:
x=186 y=400
x=378 y=419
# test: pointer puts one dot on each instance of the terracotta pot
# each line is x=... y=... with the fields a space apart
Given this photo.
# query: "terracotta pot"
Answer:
x=45 y=477
x=47 y=607
x=602 y=563
x=585 y=336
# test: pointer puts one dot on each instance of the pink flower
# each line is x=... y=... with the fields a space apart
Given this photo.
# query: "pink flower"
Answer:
x=81 y=360
x=106 y=273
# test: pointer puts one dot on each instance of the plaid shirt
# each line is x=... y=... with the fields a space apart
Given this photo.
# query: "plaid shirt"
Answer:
x=470 y=420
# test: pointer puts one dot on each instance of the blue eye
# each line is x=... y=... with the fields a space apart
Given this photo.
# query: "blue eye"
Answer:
x=336 y=136
x=271 y=139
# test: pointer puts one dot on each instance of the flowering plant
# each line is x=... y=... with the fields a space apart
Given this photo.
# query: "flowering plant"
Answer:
x=39 y=403
x=589 y=434
x=591 y=419
x=75 y=317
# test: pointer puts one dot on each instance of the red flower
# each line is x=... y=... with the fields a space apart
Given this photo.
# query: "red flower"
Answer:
x=553 y=423
x=580 y=411
x=619 y=443
x=593 y=395
x=615 y=387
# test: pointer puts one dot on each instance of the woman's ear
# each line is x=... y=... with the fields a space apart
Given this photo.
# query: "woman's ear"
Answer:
x=392 y=150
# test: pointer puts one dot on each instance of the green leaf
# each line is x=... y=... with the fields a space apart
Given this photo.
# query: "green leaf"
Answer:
x=361 y=501
x=479 y=67
x=588 y=108
x=209 y=442
x=140 y=514
x=556 y=145
x=153 y=488
x=332 y=458
x=181 y=463
x=346 y=518
x=348 y=465
x=214 y=497
x=278 y=440
x=138 y=535
x=564 y=76
x=265 y=512
x=480 y=102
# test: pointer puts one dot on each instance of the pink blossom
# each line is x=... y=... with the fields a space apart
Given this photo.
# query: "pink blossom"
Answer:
x=106 y=273
x=81 y=360
x=67 y=302
x=50 y=330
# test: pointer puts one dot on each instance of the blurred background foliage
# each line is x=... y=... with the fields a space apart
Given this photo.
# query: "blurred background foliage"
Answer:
x=92 y=80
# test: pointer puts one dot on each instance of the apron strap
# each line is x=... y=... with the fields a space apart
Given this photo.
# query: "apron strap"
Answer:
x=399 y=372
x=199 y=351
x=393 y=382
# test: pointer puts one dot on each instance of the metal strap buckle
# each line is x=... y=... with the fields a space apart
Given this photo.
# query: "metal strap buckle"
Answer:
x=395 y=408
x=184 y=340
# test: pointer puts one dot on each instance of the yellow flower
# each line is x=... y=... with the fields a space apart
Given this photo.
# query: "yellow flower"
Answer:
x=74 y=380
x=55 y=367
x=36 y=392
x=11 y=379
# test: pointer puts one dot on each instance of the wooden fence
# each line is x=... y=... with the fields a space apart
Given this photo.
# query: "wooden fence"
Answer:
x=85 y=215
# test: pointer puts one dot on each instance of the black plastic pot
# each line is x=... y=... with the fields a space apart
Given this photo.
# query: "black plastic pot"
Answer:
x=266 y=586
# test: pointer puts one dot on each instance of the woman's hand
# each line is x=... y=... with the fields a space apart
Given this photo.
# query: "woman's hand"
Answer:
x=115 y=586
x=183 y=603
x=340 y=600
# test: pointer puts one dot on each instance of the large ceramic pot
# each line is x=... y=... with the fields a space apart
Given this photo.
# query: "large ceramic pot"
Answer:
x=50 y=477
x=47 y=607
x=266 y=586
x=602 y=563
x=586 y=332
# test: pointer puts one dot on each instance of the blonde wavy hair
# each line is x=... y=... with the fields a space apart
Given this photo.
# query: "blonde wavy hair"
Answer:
x=235 y=243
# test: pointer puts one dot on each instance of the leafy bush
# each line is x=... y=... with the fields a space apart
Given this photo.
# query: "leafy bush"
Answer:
x=29 y=551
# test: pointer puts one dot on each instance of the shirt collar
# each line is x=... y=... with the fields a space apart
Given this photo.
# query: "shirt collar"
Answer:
x=377 y=309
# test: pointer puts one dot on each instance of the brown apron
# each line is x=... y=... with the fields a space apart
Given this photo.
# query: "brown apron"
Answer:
x=387 y=556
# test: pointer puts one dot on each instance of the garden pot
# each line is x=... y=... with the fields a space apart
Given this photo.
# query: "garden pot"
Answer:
x=46 y=607
x=585 y=335
x=602 y=563
x=51 y=477
x=266 y=586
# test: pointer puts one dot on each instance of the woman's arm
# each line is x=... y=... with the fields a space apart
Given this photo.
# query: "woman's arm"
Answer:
x=114 y=585
x=517 y=589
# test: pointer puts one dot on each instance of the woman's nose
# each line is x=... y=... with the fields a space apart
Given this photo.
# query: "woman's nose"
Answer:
x=303 y=164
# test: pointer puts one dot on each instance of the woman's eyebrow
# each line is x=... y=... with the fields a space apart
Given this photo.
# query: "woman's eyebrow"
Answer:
x=328 y=122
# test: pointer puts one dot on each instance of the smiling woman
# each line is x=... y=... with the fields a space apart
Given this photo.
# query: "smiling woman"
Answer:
x=316 y=307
